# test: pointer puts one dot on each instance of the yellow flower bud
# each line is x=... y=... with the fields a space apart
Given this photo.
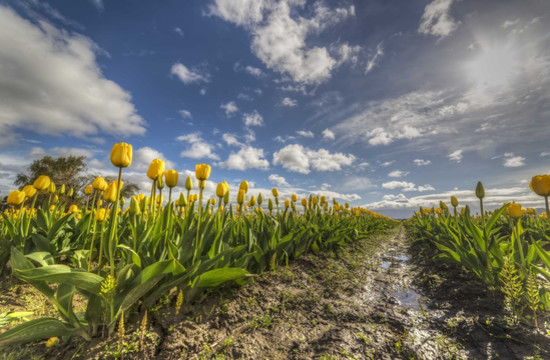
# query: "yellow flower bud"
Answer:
x=73 y=208
x=99 y=184
x=16 y=197
x=304 y=202
x=260 y=199
x=540 y=184
x=42 y=182
x=514 y=211
x=70 y=192
x=222 y=189
x=88 y=190
x=226 y=196
x=100 y=215
x=160 y=183
x=252 y=201
x=244 y=186
x=51 y=342
x=183 y=200
x=287 y=203
x=480 y=191
x=134 y=206
x=121 y=155
x=111 y=191
x=241 y=196
x=51 y=188
x=189 y=183
x=29 y=191
x=294 y=197
x=202 y=171
x=62 y=190
x=156 y=169
x=275 y=192
x=171 y=177
x=454 y=201
x=55 y=199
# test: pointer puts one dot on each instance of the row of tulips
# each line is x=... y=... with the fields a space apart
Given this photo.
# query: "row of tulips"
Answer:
x=123 y=260
x=509 y=244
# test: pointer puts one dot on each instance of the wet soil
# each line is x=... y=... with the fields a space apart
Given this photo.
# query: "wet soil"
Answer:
x=378 y=298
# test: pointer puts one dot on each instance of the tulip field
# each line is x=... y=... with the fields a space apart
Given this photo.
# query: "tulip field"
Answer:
x=121 y=260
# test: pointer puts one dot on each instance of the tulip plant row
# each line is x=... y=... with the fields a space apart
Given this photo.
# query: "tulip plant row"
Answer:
x=508 y=248
x=122 y=261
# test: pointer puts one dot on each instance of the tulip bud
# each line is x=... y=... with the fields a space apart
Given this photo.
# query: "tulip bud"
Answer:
x=304 y=202
x=252 y=201
x=134 y=206
x=244 y=186
x=226 y=198
x=16 y=197
x=100 y=215
x=241 y=196
x=70 y=192
x=98 y=183
x=182 y=200
x=315 y=201
x=189 y=183
x=202 y=171
x=156 y=169
x=480 y=191
x=42 y=182
x=275 y=192
x=121 y=155
x=294 y=197
x=202 y=184
x=29 y=191
x=62 y=190
x=171 y=177
x=88 y=190
x=260 y=199
x=287 y=203
x=51 y=188
x=73 y=208
x=160 y=183
x=270 y=204
x=55 y=199
x=221 y=189
x=454 y=201
x=540 y=184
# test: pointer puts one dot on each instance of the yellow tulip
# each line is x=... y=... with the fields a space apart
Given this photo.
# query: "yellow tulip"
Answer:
x=304 y=202
x=16 y=197
x=99 y=184
x=73 y=208
x=275 y=192
x=202 y=171
x=189 y=183
x=160 y=183
x=121 y=155
x=287 y=203
x=514 y=210
x=540 y=184
x=51 y=188
x=62 y=190
x=29 y=191
x=294 y=197
x=252 y=201
x=156 y=169
x=240 y=196
x=454 y=201
x=88 y=190
x=111 y=191
x=42 y=182
x=244 y=186
x=222 y=189
x=171 y=178
x=51 y=342
x=100 y=215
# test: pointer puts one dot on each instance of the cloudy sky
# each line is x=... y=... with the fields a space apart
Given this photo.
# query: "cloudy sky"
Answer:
x=384 y=104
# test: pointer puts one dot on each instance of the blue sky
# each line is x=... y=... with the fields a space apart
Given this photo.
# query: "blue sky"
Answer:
x=384 y=104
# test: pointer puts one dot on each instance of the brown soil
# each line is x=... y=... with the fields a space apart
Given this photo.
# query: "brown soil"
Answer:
x=366 y=301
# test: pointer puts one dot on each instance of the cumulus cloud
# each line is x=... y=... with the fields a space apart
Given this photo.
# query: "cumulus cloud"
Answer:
x=231 y=140
x=279 y=34
x=289 y=102
x=247 y=157
x=277 y=180
x=407 y=186
x=421 y=162
x=387 y=163
x=298 y=158
x=456 y=156
x=513 y=161
x=254 y=71
x=189 y=76
x=328 y=134
x=544 y=154
x=305 y=133
x=143 y=156
x=198 y=148
x=253 y=119
x=335 y=195
x=230 y=108
x=72 y=97
x=436 y=19
x=398 y=173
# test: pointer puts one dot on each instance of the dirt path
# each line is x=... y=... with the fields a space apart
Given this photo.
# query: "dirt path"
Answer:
x=374 y=299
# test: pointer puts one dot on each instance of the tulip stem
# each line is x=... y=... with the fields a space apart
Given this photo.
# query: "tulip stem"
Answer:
x=547 y=208
x=195 y=251
x=114 y=221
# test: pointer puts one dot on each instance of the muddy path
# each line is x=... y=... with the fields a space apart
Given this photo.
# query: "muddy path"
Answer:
x=375 y=299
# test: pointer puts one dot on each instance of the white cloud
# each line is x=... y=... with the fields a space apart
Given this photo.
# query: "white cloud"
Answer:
x=398 y=173
x=374 y=58
x=254 y=71
x=277 y=180
x=230 y=108
x=387 y=163
x=199 y=148
x=513 y=161
x=71 y=98
x=348 y=53
x=509 y=23
x=544 y=154
x=336 y=195
x=403 y=185
x=456 y=156
x=421 y=162
x=243 y=96
x=186 y=114
x=305 y=133
x=298 y=158
x=279 y=34
x=379 y=136
x=437 y=20
x=231 y=140
x=178 y=31
x=328 y=134
x=66 y=151
x=188 y=76
x=426 y=187
x=289 y=102
x=253 y=119
x=247 y=157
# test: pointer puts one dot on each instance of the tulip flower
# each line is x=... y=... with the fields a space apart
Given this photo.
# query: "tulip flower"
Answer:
x=156 y=169
x=171 y=178
x=189 y=184
x=275 y=192
x=514 y=211
x=121 y=155
x=244 y=186
x=62 y=190
x=29 y=191
x=100 y=214
x=222 y=189
x=294 y=197
x=240 y=196
x=16 y=197
x=51 y=188
x=454 y=201
x=88 y=190
x=73 y=208
x=42 y=182
x=202 y=171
